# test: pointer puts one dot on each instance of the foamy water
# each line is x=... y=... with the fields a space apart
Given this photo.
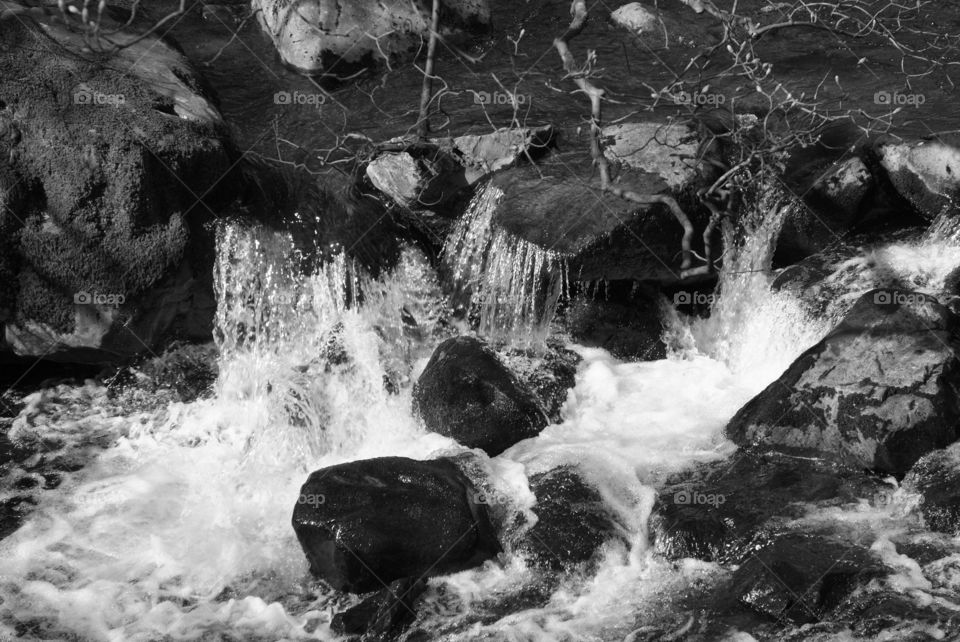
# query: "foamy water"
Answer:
x=181 y=528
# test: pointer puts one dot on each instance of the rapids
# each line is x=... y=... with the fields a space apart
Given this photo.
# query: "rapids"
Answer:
x=179 y=525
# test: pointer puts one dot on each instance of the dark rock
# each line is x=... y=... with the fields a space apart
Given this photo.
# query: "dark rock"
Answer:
x=628 y=327
x=926 y=174
x=549 y=376
x=802 y=578
x=573 y=521
x=467 y=393
x=833 y=208
x=879 y=391
x=605 y=237
x=366 y=523
x=104 y=164
x=720 y=511
x=328 y=36
x=383 y=615
x=830 y=281
x=936 y=477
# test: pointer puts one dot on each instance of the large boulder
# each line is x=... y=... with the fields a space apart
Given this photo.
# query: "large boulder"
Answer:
x=879 y=391
x=466 y=392
x=332 y=36
x=573 y=521
x=936 y=478
x=366 y=523
x=558 y=206
x=802 y=578
x=628 y=326
x=721 y=511
x=926 y=174
x=112 y=164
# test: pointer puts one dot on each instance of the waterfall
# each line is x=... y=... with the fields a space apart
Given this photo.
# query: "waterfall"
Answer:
x=513 y=286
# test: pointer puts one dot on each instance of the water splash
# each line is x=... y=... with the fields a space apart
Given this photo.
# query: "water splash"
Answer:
x=752 y=329
x=513 y=286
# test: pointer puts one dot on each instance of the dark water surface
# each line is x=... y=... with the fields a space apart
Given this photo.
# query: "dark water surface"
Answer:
x=383 y=104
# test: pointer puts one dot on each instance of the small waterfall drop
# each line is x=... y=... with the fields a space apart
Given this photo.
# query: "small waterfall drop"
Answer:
x=513 y=285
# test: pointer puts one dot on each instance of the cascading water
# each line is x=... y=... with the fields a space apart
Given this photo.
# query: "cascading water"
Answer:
x=179 y=528
x=513 y=285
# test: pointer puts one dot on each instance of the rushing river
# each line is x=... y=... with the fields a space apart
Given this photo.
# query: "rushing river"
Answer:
x=179 y=527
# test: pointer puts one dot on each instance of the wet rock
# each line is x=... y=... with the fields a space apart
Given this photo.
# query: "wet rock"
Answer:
x=926 y=174
x=335 y=36
x=105 y=232
x=383 y=615
x=604 y=237
x=467 y=393
x=834 y=199
x=366 y=523
x=879 y=391
x=629 y=327
x=936 y=477
x=829 y=282
x=549 y=376
x=664 y=25
x=802 y=578
x=486 y=153
x=720 y=511
x=573 y=522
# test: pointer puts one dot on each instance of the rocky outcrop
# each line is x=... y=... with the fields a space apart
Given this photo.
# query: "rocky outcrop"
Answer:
x=802 y=578
x=829 y=282
x=335 y=36
x=926 y=174
x=573 y=522
x=431 y=175
x=721 y=511
x=855 y=398
x=629 y=326
x=366 y=523
x=936 y=478
x=834 y=202
x=467 y=393
x=556 y=206
x=112 y=164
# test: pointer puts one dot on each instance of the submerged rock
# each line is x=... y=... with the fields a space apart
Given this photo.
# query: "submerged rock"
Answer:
x=549 y=376
x=366 y=523
x=467 y=393
x=879 y=391
x=802 y=578
x=384 y=614
x=573 y=521
x=104 y=161
x=936 y=477
x=926 y=174
x=332 y=36
x=720 y=511
x=668 y=150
